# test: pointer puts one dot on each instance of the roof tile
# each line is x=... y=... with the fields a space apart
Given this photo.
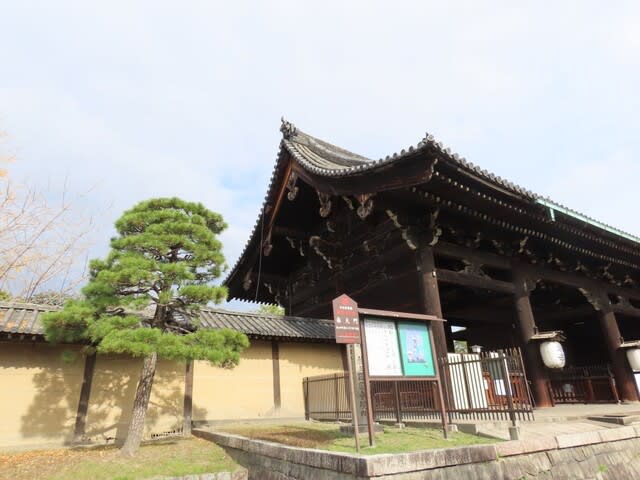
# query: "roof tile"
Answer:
x=16 y=318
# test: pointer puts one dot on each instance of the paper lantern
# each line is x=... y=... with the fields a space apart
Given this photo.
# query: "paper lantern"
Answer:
x=552 y=354
x=633 y=355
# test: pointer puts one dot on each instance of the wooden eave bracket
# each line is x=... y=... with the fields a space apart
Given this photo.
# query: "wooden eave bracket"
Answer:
x=393 y=314
x=552 y=335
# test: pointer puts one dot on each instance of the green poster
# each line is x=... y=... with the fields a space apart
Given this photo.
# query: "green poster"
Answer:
x=415 y=349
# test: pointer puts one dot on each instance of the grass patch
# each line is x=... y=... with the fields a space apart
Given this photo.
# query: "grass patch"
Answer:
x=174 y=457
x=327 y=436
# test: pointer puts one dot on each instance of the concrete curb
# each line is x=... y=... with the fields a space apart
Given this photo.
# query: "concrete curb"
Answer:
x=371 y=465
x=393 y=464
x=241 y=474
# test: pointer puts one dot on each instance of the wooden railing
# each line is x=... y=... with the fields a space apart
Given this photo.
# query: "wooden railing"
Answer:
x=404 y=398
x=476 y=386
x=590 y=384
x=488 y=386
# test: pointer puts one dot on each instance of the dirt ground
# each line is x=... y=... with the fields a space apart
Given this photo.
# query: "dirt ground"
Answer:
x=162 y=457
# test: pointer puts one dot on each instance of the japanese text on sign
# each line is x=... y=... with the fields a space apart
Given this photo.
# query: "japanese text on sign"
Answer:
x=346 y=320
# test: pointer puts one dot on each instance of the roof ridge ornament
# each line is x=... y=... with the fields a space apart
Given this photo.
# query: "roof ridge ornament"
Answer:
x=288 y=129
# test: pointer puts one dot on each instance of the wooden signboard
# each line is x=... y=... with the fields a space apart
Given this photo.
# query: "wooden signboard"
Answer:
x=346 y=320
x=347 y=327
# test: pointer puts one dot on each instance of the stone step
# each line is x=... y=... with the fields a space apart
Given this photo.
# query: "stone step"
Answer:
x=616 y=419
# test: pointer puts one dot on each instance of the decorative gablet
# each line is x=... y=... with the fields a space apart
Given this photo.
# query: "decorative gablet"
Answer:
x=288 y=129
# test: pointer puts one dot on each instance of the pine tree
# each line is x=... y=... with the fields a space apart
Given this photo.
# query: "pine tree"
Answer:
x=165 y=256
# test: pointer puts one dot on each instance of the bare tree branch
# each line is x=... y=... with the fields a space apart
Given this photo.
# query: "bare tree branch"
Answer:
x=43 y=242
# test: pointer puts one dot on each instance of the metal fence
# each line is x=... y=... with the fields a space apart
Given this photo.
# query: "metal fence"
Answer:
x=491 y=386
x=486 y=386
x=590 y=384
x=402 y=399
x=325 y=397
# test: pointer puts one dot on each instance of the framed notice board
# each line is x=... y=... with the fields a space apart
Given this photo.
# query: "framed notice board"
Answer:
x=398 y=348
x=415 y=348
x=382 y=342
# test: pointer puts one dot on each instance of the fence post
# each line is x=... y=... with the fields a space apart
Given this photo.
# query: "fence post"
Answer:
x=335 y=388
x=508 y=388
x=530 y=397
x=612 y=382
x=305 y=385
x=467 y=387
x=448 y=400
x=398 y=406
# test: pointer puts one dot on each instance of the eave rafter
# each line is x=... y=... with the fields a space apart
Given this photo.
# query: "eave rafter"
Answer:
x=525 y=232
x=519 y=209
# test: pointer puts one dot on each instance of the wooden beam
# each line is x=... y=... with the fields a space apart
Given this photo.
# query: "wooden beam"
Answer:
x=624 y=310
x=291 y=232
x=325 y=300
x=474 y=281
x=563 y=278
x=275 y=359
x=583 y=310
x=85 y=393
x=458 y=252
x=347 y=275
x=401 y=315
x=576 y=281
x=188 y=398
x=474 y=314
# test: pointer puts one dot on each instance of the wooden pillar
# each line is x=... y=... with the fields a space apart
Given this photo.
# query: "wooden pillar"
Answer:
x=428 y=284
x=275 y=357
x=625 y=381
x=345 y=360
x=85 y=393
x=448 y=331
x=535 y=369
x=188 y=398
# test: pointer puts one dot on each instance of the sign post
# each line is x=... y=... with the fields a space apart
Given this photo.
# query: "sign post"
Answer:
x=347 y=328
x=403 y=343
x=403 y=346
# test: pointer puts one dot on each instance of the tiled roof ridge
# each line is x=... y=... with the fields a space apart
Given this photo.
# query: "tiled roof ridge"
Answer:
x=223 y=311
x=291 y=133
x=24 y=319
x=596 y=222
x=29 y=306
x=292 y=136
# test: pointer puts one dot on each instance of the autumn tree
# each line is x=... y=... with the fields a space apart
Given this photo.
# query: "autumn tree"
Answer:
x=43 y=237
x=166 y=255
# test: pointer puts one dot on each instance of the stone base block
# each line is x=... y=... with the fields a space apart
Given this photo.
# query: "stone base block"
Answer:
x=348 y=429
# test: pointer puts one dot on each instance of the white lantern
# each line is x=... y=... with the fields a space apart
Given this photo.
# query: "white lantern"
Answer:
x=552 y=354
x=633 y=355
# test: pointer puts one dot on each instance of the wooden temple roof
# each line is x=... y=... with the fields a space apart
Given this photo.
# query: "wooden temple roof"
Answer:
x=327 y=160
x=423 y=175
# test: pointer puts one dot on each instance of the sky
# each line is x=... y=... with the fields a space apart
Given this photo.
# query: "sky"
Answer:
x=123 y=101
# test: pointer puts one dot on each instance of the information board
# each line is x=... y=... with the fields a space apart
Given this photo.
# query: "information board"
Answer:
x=415 y=345
x=382 y=345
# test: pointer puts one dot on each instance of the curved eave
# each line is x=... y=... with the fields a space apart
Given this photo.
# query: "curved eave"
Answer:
x=334 y=170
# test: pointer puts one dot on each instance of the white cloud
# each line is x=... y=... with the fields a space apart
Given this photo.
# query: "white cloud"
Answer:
x=601 y=189
x=156 y=98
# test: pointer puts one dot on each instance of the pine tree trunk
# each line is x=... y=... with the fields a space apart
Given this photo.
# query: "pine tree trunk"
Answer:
x=140 y=405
